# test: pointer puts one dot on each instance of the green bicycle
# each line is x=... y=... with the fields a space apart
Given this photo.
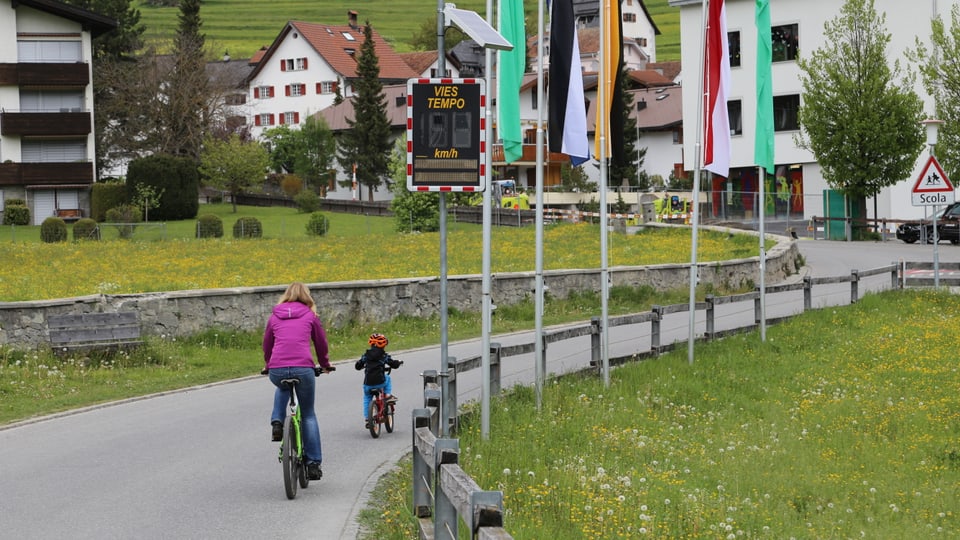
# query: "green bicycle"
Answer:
x=291 y=447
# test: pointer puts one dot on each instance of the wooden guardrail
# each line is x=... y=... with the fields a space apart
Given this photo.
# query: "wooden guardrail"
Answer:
x=442 y=494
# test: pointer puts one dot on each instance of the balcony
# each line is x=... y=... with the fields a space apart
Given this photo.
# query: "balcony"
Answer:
x=75 y=74
x=45 y=124
x=529 y=154
x=46 y=174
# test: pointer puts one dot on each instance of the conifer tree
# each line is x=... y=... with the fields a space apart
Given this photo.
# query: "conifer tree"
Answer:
x=366 y=142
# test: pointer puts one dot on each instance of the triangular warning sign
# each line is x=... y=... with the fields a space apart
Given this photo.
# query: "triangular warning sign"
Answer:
x=932 y=179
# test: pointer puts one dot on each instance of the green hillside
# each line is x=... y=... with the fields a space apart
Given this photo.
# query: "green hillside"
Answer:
x=243 y=26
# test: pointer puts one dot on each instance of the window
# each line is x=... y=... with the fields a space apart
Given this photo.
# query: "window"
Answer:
x=295 y=90
x=301 y=64
x=293 y=64
x=642 y=41
x=785 y=112
x=263 y=92
x=677 y=135
x=53 y=151
x=433 y=73
x=263 y=120
x=235 y=99
x=290 y=118
x=51 y=101
x=533 y=100
x=733 y=44
x=629 y=17
x=785 y=42
x=49 y=51
x=735 y=114
x=327 y=87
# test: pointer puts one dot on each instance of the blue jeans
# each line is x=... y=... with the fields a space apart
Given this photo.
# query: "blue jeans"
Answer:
x=386 y=386
x=306 y=395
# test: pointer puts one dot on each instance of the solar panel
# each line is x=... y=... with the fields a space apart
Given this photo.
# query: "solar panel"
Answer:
x=476 y=27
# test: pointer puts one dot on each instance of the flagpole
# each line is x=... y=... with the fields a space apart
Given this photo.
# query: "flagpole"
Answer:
x=538 y=353
x=763 y=255
x=486 y=319
x=695 y=215
x=601 y=130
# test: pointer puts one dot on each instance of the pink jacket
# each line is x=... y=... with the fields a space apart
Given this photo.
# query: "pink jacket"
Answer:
x=286 y=340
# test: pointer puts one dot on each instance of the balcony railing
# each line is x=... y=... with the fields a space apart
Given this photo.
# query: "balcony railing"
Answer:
x=46 y=174
x=40 y=124
x=75 y=74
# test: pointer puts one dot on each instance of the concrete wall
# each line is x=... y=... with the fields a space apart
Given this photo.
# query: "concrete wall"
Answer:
x=183 y=313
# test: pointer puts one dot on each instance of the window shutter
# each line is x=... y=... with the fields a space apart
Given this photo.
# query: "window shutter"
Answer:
x=256 y=120
x=272 y=122
x=271 y=92
x=283 y=65
x=281 y=118
x=296 y=118
x=304 y=63
x=319 y=88
x=256 y=93
x=286 y=90
x=335 y=86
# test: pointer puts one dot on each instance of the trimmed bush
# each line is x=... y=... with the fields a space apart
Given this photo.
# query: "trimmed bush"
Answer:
x=16 y=214
x=19 y=202
x=85 y=229
x=53 y=229
x=124 y=218
x=318 y=224
x=209 y=226
x=307 y=201
x=247 y=227
x=104 y=196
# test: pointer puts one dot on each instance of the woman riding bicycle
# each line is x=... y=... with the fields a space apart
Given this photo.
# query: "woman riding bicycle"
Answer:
x=291 y=329
x=376 y=363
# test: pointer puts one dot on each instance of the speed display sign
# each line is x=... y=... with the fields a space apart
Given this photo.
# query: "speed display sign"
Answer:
x=446 y=140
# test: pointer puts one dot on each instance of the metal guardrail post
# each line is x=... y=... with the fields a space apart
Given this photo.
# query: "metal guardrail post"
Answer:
x=655 y=329
x=495 y=360
x=710 y=315
x=894 y=282
x=432 y=396
x=757 y=308
x=486 y=510
x=807 y=293
x=445 y=519
x=854 y=286
x=595 y=352
x=450 y=401
x=422 y=471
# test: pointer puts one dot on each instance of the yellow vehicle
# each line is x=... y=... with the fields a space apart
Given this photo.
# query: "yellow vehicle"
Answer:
x=672 y=209
x=505 y=195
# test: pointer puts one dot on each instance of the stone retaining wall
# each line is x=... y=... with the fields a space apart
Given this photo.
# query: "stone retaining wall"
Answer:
x=183 y=313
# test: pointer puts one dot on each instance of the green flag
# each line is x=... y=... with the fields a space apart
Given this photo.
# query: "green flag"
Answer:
x=763 y=142
x=510 y=68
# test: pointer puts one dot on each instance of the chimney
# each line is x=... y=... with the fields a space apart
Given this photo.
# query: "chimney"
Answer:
x=352 y=19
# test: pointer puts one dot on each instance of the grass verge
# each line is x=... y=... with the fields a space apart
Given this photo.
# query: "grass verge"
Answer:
x=842 y=424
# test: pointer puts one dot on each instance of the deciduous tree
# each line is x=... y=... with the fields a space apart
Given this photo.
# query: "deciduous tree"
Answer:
x=859 y=115
x=233 y=165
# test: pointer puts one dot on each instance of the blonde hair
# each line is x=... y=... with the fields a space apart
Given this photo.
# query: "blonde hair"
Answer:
x=298 y=292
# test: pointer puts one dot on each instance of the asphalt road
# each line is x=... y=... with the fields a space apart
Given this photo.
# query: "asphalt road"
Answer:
x=200 y=464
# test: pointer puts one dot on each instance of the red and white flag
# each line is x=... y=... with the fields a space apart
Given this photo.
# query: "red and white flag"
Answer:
x=716 y=83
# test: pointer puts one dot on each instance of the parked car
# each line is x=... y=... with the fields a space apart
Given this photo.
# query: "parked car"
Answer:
x=948 y=225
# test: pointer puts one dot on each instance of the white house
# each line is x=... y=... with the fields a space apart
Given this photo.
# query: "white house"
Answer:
x=307 y=66
x=47 y=144
x=797 y=29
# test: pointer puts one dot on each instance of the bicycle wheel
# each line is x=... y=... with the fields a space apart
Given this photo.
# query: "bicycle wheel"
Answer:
x=290 y=459
x=374 y=415
x=302 y=464
x=388 y=419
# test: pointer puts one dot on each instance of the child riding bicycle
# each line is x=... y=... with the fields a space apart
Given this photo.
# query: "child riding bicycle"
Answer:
x=376 y=363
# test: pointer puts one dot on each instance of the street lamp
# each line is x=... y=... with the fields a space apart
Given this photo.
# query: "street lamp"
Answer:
x=932 y=127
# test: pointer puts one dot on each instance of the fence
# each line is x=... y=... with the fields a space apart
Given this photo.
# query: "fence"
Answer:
x=435 y=460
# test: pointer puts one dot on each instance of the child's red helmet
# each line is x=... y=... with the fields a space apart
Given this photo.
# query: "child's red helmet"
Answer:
x=378 y=340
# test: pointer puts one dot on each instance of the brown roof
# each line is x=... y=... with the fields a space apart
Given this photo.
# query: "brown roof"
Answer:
x=336 y=115
x=663 y=109
x=258 y=56
x=669 y=70
x=334 y=44
x=419 y=61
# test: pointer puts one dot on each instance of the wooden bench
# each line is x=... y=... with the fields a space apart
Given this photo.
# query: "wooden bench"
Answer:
x=94 y=331
x=69 y=214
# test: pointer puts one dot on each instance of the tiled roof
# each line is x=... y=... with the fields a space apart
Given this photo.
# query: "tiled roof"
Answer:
x=670 y=70
x=335 y=42
x=419 y=61
x=336 y=115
